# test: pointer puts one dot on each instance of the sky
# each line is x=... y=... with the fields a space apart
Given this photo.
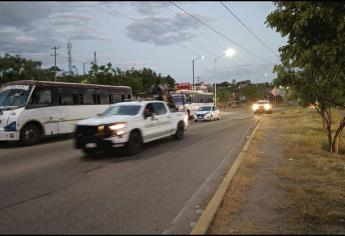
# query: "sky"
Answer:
x=156 y=35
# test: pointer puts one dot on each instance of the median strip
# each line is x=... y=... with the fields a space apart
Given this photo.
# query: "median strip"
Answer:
x=208 y=215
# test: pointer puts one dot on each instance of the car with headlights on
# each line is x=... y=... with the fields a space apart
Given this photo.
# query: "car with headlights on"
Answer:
x=208 y=113
x=129 y=125
x=262 y=106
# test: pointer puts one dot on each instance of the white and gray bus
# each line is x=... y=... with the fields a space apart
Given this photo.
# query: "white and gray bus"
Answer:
x=30 y=110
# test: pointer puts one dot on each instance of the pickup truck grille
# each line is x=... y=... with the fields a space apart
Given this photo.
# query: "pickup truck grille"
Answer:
x=86 y=130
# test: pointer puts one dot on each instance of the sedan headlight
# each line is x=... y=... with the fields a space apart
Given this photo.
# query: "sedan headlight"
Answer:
x=267 y=106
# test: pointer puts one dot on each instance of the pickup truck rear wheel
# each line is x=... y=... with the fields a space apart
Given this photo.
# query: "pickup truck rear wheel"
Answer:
x=179 y=131
x=134 y=144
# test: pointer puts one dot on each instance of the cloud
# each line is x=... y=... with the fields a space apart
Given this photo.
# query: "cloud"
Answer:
x=253 y=72
x=29 y=27
x=149 y=8
x=163 y=30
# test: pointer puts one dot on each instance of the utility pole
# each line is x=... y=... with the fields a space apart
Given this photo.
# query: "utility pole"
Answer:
x=84 y=63
x=94 y=58
x=69 y=53
x=55 y=48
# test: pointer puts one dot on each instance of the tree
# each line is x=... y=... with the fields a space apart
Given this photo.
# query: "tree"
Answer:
x=313 y=60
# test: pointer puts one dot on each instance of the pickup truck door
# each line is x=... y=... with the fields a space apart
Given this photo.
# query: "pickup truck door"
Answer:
x=164 y=119
x=151 y=128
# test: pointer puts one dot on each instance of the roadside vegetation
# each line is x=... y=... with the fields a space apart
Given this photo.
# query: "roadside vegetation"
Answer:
x=312 y=61
x=313 y=177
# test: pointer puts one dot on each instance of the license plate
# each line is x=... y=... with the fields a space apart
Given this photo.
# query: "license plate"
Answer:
x=91 y=145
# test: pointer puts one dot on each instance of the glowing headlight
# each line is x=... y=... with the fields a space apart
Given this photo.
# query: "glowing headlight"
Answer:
x=117 y=126
x=267 y=106
x=255 y=107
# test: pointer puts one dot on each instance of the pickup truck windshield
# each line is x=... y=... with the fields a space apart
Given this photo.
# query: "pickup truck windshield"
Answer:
x=207 y=108
x=13 y=97
x=129 y=110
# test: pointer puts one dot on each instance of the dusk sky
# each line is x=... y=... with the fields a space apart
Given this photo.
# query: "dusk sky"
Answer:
x=156 y=35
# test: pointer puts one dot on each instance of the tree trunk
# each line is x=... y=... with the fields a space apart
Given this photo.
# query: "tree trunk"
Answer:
x=335 y=144
x=329 y=131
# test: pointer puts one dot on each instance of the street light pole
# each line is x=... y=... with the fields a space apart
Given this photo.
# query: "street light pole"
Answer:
x=202 y=57
x=230 y=52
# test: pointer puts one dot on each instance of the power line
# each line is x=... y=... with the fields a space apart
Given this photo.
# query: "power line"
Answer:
x=219 y=33
x=203 y=34
x=186 y=48
x=263 y=43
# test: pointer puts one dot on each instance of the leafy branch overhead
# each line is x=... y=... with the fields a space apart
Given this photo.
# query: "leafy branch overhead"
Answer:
x=313 y=60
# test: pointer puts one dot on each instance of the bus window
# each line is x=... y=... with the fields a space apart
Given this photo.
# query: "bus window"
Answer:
x=65 y=96
x=88 y=96
x=117 y=98
x=104 y=98
x=41 y=97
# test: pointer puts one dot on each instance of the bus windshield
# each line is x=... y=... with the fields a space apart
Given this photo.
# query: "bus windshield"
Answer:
x=179 y=100
x=14 y=97
x=129 y=110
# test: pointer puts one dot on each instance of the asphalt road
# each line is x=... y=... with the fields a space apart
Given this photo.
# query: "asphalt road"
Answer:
x=51 y=188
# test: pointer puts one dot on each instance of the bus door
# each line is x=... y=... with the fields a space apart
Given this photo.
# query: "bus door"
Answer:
x=41 y=108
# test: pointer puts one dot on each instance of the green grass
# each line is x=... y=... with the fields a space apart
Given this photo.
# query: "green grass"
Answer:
x=313 y=177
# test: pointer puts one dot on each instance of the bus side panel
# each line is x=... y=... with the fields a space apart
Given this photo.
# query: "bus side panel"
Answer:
x=70 y=115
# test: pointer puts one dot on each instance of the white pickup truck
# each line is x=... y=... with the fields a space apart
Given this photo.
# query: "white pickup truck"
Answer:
x=129 y=124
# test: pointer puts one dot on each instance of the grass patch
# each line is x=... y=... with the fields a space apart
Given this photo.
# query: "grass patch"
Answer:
x=313 y=177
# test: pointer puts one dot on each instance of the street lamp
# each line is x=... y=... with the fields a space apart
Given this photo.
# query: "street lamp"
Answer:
x=200 y=57
x=229 y=53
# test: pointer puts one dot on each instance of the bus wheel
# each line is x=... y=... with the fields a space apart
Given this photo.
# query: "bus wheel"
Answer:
x=30 y=134
x=134 y=144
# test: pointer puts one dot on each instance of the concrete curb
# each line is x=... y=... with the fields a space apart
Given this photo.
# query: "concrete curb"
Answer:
x=208 y=215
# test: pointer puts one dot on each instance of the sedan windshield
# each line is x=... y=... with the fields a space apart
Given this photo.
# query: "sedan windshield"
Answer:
x=13 y=97
x=129 y=110
x=207 y=108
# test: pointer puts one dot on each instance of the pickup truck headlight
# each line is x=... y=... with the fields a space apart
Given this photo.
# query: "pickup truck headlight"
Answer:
x=117 y=128
x=255 y=107
x=267 y=106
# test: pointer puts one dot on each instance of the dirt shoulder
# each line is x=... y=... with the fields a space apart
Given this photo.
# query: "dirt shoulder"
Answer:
x=287 y=183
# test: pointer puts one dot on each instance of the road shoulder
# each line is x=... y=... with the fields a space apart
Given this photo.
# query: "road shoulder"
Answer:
x=253 y=201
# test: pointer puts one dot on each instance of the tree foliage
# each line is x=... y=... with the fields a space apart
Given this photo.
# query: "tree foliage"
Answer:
x=313 y=60
x=14 y=68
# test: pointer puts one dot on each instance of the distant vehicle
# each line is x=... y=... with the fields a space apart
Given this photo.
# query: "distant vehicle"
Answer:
x=30 y=110
x=190 y=101
x=262 y=106
x=209 y=113
x=129 y=124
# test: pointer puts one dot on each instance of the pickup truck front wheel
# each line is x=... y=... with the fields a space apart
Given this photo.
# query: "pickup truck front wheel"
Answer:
x=179 y=131
x=134 y=144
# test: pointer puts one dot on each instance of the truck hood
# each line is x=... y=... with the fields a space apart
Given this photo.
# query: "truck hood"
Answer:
x=106 y=120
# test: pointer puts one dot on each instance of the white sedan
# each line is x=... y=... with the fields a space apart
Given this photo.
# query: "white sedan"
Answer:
x=209 y=113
